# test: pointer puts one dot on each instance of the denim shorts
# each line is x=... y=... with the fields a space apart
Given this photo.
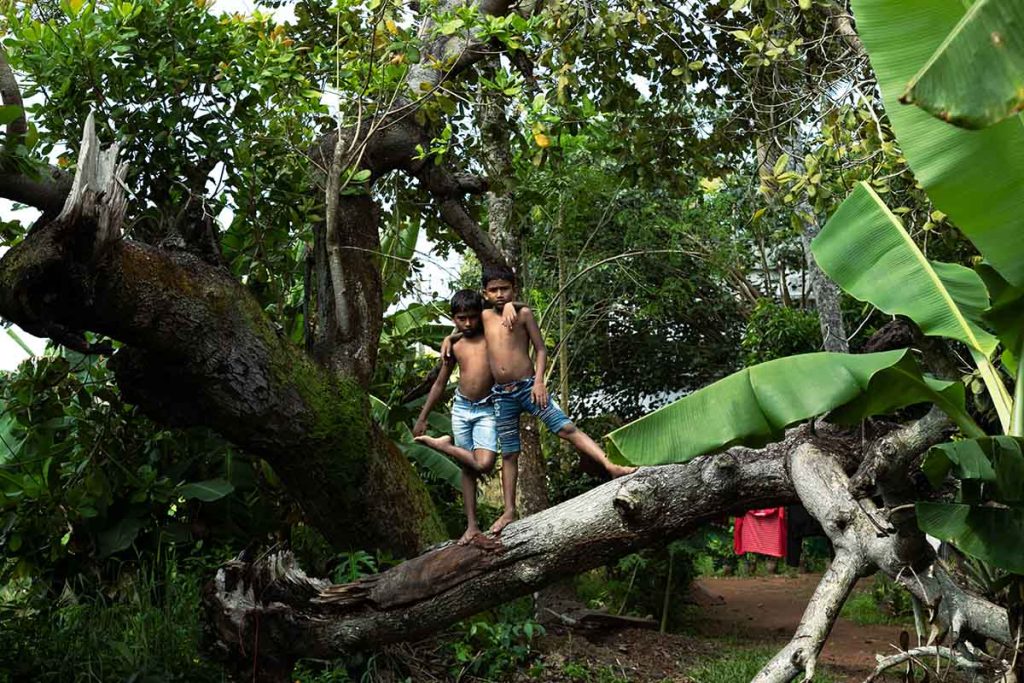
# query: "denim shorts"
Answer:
x=474 y=424
x=511 y=400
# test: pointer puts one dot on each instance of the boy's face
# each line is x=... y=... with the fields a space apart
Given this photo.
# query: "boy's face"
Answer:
x=468 y=322
x=499 y=292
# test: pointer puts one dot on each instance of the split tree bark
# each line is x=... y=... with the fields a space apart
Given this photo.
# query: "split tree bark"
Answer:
x=200 y=351
x=299 y=616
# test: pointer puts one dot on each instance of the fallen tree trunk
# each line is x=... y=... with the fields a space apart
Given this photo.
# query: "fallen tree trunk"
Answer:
x=293 y=615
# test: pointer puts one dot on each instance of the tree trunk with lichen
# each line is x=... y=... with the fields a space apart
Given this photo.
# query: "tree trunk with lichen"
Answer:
x=199 y=350
x=532 y=491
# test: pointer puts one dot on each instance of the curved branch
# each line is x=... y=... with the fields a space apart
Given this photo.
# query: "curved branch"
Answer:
x=960 y=661
x=303 y=617
x=11 y=96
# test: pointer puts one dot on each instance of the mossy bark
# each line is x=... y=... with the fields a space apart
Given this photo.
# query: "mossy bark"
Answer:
x=199 y=351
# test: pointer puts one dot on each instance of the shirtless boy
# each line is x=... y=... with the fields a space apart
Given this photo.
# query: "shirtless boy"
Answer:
x=519 y=385
x=473 y=418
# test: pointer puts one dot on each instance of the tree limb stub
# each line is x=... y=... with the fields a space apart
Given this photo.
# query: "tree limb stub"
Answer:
x=199 y=350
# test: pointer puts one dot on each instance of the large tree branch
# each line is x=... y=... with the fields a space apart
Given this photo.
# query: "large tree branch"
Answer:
x=865 y=541
x=200 y=351
x=302 y=617
x=298 y=616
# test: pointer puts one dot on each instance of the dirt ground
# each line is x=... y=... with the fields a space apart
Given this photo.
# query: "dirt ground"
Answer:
x=754 y=611
x=760 y=609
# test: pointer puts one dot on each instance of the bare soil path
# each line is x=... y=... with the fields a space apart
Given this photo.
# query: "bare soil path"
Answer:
x=767 y=610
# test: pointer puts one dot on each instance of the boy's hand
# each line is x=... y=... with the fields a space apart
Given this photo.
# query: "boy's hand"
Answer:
x=420 y=428
x=540 y=395
x=509 y=315
x=446 y=349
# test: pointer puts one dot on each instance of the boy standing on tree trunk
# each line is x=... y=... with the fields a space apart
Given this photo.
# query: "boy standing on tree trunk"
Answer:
x=473 y=420
x=520 y=386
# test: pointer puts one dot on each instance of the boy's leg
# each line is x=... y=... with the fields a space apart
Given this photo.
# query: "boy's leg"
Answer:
x=558 y=423
x=444 y=444
x=587 y=447
x=509 y=475
x=508 y=411
x=485 y=460
x=469 y=503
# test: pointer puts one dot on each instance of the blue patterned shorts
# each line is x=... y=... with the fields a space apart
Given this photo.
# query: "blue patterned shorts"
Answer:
x=474 y=424
x=514 y=398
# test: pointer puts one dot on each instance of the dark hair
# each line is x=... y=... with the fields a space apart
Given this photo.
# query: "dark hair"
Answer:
x=496 y=272
x=467 y=301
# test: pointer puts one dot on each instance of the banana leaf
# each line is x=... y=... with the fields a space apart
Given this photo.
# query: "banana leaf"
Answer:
x=865 y=249
x=417 y=323
x=398 y=247
x=438 y=465
x=997 y=462
x=973 y=176
x=755 y=405
x=976 y=76
x=990 y=534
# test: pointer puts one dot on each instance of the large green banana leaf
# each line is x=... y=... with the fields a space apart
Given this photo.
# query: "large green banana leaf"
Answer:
x=973 y=176
x=990 y=470
x=997 y=462
x=988 y=533
x=976 y=76
x=754 y=406
x=866 y=250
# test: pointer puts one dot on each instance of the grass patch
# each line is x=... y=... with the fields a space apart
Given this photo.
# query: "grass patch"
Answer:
x=863 y=609
x=740 y=666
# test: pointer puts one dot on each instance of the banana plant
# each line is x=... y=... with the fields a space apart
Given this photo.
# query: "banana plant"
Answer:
x=974 y=176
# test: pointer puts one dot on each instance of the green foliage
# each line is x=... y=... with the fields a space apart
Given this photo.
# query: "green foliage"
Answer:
x=766 y=398
x=987 y=519
x=494 y=644
x=740 y=665
x=84 y=477
x=974 y=77
x=970 y=175
x=145 y=626
x=887 y=603
x=774 y=331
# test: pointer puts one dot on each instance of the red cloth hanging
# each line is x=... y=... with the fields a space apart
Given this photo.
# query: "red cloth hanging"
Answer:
x=761 y=531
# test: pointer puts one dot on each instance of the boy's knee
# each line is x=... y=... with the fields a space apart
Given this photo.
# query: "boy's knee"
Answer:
x=485 y=461
x=567 y=431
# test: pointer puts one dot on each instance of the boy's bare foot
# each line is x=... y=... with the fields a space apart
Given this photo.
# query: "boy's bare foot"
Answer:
x=471 y=533
x=616 y=471
x=506 y=518
x=438 y=443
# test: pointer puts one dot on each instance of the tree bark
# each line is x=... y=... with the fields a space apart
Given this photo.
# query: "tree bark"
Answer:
x=827 y=296
x=299 y=616
x=532 y=493
x=200 y=351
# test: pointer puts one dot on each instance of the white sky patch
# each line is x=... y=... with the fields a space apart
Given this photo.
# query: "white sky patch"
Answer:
x=284 y=14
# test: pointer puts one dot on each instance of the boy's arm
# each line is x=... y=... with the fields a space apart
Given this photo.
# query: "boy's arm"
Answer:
x=436 y=392
x=509 y=313
x=540 y=390
x=446 y=346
